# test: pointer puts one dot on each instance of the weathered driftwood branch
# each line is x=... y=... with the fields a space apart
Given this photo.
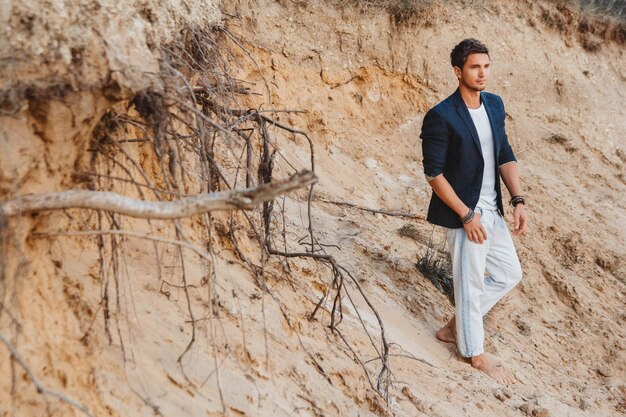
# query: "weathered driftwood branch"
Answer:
x=243 y=199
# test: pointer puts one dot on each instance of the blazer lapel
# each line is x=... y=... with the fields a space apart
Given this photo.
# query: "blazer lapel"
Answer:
x=491 y=115
x=461 y=109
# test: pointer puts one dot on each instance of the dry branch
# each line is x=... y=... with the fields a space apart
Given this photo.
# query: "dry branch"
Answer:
x=101 y=232
x=375 y=211
x=38 y=385
x=189 y=206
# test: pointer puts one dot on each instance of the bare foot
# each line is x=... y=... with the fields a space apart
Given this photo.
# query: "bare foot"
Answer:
x=447 y=333
x=491 y=368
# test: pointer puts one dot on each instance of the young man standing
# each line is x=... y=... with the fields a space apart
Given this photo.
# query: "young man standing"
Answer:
x=466 y=151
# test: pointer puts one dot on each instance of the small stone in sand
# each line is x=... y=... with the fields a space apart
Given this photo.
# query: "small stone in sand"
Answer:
x=526 y=408
x=500 y=395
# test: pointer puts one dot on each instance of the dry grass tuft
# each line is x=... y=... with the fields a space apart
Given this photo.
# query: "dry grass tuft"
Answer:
x=436 y=265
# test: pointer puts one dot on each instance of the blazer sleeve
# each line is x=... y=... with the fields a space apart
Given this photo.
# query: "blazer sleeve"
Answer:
x=506 y=152
x=434 y=143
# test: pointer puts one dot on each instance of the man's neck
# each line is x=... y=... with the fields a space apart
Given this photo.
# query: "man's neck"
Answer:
x=470 y=97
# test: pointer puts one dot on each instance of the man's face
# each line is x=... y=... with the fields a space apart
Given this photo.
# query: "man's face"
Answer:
x=475 y=72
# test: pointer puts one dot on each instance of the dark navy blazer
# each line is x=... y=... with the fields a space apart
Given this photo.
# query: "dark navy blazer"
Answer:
x=451 y=146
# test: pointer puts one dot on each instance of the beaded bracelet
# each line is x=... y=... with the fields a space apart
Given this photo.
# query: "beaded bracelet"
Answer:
x=518 y=199
x=468 y=218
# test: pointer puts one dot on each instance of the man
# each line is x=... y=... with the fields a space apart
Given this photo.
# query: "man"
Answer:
x=466 y=151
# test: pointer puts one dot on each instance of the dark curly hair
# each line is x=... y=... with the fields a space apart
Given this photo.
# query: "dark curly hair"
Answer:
x=468 y=46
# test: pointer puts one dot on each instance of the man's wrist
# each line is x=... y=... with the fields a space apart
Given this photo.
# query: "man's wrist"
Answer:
x=468 y=217
x=517 y=199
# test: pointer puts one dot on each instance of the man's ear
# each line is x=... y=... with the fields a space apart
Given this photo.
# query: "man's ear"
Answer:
x=458 y=72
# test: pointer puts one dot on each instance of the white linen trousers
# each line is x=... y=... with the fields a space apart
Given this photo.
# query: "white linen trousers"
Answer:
x=482 y=275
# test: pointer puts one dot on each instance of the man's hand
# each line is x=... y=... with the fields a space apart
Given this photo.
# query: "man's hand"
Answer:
x=475 y=231
x=519 y=218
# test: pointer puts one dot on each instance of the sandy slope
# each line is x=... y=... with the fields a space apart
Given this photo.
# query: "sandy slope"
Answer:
x=365 y=83
x=565 y=321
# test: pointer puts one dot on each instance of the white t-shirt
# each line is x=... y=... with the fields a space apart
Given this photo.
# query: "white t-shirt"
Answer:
x=488 y=190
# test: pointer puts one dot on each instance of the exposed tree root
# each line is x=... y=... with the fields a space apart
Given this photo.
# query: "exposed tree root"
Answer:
x=15 y=356
x=197 y=118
